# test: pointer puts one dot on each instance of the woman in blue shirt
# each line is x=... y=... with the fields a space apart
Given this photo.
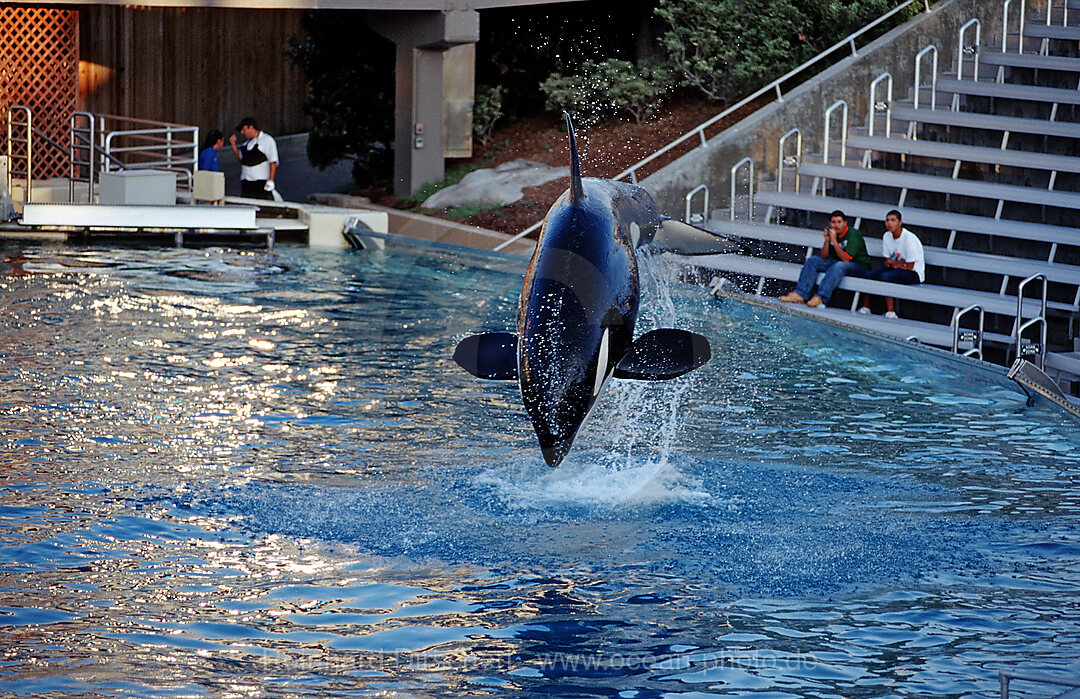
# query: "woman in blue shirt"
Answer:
x=208 y=159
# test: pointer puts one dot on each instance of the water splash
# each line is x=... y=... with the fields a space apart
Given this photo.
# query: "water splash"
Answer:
x=626 y=454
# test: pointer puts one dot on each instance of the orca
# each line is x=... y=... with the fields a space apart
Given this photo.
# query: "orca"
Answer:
x=579 y=305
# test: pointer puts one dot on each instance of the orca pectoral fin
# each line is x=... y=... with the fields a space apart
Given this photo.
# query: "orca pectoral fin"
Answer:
x=489 y=356
x=663 y=354
x=687 y=239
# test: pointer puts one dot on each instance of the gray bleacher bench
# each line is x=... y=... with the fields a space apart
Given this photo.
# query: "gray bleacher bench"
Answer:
x=926 y=293
x=970 y=154
x=943 y=185
x=943 y=220
x=1051 y=31
x=902 y=328
x=1029 y=93
x=990 y=122
x=938 y=257
x=1029 y=60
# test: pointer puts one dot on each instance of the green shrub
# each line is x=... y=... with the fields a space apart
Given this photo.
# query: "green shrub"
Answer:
x=728 y=48
x=607 y=88
x=487 y=110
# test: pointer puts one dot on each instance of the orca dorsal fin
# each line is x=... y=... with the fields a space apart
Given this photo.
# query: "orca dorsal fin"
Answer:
x=577 y=192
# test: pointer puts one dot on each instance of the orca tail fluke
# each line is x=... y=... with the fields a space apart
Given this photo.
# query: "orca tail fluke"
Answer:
x=577 y=192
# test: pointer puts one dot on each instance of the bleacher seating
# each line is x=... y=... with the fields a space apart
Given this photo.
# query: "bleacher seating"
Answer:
x=990 y=180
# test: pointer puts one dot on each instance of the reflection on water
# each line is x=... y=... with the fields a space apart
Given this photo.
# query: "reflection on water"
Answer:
x=257 y=474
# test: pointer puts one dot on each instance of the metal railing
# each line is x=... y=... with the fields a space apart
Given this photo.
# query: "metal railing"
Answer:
x=1004 y=676
x=785 y=160
x=843 y=132
x=975 y=337
x=962 y=50
x=775 y=86
x=748 y=161
x=698 y=219
x=1031 y=348
x=154 y=145
x=886 y=106
x=82 y=148
x=20 y=147
x=1005 y=25
x=933 y=75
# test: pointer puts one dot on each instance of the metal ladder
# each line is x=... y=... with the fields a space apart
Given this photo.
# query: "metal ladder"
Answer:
x=975 y=337
x=1029 y=348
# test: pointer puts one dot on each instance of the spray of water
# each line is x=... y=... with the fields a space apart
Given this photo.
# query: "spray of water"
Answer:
x=627 y=452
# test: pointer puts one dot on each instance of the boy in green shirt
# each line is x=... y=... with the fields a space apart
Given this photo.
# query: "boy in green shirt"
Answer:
x=844 y=253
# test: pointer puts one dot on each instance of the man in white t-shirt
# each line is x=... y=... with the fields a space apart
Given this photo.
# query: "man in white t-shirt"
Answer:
x=904 y=261
x=258 y=158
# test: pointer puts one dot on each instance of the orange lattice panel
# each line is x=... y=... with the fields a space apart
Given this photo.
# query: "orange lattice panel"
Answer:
x=39 y=68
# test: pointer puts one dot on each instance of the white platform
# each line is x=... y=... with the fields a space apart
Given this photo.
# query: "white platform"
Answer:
x=138 y=216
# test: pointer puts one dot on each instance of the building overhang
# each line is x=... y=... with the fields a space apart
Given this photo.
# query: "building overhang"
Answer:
x=385 y=5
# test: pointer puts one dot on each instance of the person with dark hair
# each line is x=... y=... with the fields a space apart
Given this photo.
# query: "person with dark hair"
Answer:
x=208 y=157
x=905 y=262
x=258 y=158
x=843 y=254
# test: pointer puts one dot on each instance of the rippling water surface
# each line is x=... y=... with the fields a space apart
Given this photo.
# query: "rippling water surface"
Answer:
x=252 y=474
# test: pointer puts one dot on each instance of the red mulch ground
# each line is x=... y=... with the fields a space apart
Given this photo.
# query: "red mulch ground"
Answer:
x=605 y=151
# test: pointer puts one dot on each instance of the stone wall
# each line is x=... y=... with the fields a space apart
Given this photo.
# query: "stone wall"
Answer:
x=804 y=107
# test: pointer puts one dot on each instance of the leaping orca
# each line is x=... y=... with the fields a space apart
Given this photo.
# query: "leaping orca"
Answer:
x=579 y=305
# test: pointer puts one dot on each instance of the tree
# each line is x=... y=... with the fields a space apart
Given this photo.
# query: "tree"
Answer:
x=726 y=47
x=350 y=71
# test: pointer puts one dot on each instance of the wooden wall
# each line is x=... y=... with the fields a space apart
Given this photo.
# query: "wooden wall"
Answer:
x=203 y=66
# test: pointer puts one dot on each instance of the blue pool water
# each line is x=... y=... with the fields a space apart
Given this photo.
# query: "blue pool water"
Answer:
x=252 y=474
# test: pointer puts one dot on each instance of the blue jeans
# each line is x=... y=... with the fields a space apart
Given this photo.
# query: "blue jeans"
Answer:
x=834 y=270
x=896 y=276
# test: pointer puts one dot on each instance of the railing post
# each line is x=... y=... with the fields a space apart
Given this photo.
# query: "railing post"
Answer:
x=933 y=78
x=750 y=186
x=885 y=106
x=974 y=49
x=843 y=131
x=794 y=160
x=697 y=218
x=976 y=338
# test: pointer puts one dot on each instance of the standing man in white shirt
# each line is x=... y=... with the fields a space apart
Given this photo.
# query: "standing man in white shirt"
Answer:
x=258 y=158
x=904 y=261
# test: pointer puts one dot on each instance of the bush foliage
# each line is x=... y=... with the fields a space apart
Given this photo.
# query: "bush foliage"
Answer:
x=607 y=88
x=727 y=48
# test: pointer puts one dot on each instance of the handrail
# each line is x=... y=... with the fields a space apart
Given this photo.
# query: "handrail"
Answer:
x=699 y=130
x=156 y=145
x=29 y=143
x=1005 y=25
x=1005 y=675
x=974 y=49
x=697 y=218
x=82 y=138
x=843 y=132
x=750 y=187
x=933 y=78
x=792 y=160
x=885 y=106
x=975 y=337
x=1038 y=320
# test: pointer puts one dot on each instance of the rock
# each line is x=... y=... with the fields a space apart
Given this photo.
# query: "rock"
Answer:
x=495 y=186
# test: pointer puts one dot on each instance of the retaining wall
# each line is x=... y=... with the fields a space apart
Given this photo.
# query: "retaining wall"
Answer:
x=758 y=135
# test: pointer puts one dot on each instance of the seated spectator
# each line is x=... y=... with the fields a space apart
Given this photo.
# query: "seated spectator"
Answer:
x=844 y=253
x=904 y=261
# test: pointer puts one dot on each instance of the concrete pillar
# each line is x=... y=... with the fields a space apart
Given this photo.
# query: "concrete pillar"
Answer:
x=422 y=40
